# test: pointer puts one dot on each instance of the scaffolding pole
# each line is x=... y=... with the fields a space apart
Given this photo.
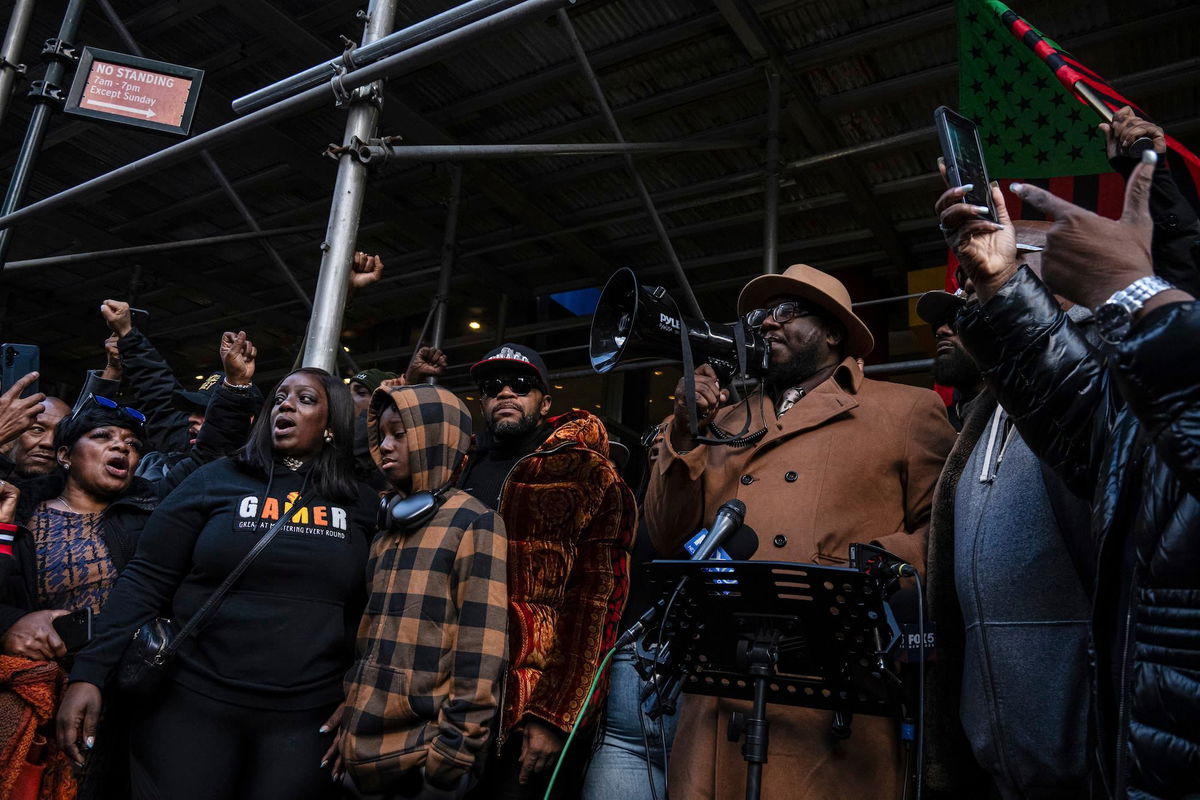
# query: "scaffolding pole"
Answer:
x=449 y=242
x=325 y=326
x=10 y=54
x=380 y=154
x=46 y=93
x=305 y=101
x=610 y=120
x=771 y=204
x=353 y=58
x=159 y=247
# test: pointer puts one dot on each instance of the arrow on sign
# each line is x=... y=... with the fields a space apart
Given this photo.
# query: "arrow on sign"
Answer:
x=148 y=113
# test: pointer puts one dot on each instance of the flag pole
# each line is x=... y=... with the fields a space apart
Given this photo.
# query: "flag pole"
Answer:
x=1093 y=100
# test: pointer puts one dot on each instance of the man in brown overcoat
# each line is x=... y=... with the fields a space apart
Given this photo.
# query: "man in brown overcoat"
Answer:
x=843 y=459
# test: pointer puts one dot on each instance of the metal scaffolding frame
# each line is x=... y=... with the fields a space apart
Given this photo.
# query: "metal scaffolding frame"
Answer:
x=356 y=83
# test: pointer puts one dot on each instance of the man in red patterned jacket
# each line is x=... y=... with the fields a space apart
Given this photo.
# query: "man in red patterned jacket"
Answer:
x=570 y=521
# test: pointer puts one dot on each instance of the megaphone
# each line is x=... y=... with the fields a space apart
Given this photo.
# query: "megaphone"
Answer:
x=634 y=322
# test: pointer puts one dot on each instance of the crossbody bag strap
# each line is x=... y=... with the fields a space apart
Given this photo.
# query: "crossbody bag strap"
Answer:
x=214 y=600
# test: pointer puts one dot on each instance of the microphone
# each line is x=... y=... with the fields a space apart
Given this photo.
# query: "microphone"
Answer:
x=730 y=517
x=728 y=521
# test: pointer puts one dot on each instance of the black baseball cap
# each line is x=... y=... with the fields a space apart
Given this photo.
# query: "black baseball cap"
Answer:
x=198 y=399
x=940 y=307
x=510 y=359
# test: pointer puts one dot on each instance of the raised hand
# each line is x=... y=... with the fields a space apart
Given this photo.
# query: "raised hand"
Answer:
x=112 y=365
x=428 y=362
x=116 y=314
x=365 y=270
x=1126 y=128
x=987 y=250
x=1089 y=257
x=237 y=358
x=18 y=413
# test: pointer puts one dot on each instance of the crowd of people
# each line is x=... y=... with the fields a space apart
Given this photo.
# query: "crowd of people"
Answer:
x=342 y=590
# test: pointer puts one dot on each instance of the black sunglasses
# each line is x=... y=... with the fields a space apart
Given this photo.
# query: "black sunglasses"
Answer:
x=521 y=385
x=783 y=312
x=105 y=402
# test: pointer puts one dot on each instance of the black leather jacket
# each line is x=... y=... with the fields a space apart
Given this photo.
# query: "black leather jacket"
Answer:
x=1121 y=427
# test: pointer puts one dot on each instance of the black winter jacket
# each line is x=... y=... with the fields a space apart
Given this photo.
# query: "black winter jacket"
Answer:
x=1125 y=431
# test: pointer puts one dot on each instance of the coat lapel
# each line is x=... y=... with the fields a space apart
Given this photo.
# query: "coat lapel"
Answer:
x=828 y=400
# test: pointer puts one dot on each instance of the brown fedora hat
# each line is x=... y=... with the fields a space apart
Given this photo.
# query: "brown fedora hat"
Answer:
x=819 y=288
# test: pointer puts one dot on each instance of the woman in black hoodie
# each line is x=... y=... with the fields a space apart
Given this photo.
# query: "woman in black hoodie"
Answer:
x=241 y=710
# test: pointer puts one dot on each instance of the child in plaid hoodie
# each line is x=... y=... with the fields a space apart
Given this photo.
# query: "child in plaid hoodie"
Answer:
x=423 y=694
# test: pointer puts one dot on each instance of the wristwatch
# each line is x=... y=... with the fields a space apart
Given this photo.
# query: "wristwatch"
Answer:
x=1114 y=317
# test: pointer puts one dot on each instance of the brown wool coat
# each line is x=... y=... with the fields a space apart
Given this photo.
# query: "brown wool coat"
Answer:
x=855 y=460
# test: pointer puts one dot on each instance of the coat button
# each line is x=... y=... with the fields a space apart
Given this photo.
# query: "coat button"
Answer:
x=780 y=540
x=790 y=476
x=747 y=480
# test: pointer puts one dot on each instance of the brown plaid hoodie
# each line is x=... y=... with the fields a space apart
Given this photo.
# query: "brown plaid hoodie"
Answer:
x=432 y=642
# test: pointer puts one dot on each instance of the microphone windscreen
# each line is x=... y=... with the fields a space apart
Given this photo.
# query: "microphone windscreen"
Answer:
x=743 y=544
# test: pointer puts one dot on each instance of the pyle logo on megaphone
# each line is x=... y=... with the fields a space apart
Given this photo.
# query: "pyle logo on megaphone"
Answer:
x=667 y=323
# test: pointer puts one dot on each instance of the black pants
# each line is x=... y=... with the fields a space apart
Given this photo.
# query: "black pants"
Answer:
x=502 y=772
x=190 y=747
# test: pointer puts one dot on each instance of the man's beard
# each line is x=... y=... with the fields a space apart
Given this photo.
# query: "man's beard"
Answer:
x=957 y=369
x=801 y=367
x=513 y=428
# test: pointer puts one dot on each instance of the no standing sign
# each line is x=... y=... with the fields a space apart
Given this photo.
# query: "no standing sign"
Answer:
x=134 y=91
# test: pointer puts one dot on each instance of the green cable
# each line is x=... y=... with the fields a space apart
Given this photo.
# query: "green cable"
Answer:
x=575 y=728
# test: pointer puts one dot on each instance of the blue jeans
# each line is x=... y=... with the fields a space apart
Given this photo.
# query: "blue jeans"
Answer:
x=618 y=768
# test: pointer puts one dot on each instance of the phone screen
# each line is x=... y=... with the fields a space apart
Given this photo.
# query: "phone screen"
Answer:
x=964 y=157
x=970 y=163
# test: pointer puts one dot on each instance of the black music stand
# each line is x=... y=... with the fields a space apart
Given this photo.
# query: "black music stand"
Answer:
x=767 y=631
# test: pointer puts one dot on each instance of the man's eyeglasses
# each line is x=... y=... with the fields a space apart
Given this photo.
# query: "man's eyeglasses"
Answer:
x=521 y=385
x=783 y=312
x=105 y=402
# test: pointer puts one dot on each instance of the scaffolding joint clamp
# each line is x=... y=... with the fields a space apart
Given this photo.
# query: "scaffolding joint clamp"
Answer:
x=6 y=64
x=45 y=92
x=59 y=50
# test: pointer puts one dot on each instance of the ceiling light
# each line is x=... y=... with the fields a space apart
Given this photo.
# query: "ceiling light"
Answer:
x=670 y=397
x=347 y=349
x=469 y=397
x=345 y=380
x=199 y=377
x=558 y=386
x=658 y=372
x=473 y=325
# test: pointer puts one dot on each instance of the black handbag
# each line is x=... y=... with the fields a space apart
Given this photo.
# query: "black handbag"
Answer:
x=148 y=657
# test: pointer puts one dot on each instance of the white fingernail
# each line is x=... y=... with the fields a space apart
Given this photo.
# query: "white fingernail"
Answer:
x=89 y=742
x=1149 y=157
x=1015 y=187
x=966 y=187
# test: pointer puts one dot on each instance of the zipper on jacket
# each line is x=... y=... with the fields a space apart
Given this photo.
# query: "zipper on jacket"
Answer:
x=1120 y=778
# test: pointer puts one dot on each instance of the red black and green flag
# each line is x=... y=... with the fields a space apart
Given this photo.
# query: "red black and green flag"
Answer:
x=1020 y=87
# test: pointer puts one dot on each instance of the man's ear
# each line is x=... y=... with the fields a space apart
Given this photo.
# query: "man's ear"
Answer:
x=544 y=406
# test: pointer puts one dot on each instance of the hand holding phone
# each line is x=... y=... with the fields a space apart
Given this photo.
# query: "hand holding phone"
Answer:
x=962 y=151
x=75 y=629
x=17 y=361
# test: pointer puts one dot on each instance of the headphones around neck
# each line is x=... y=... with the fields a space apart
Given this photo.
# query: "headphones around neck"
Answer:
x=403 y=514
